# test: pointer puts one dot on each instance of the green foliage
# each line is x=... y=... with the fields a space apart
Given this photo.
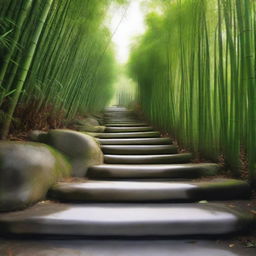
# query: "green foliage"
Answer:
x=195 y=68
x=72 y=66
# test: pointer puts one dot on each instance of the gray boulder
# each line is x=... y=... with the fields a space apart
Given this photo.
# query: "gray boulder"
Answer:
x=88 y=125
x=99 y=117
x=89 y=128
x=81 y=150
x=33 y=135
x=27 y=171
x=91 y=121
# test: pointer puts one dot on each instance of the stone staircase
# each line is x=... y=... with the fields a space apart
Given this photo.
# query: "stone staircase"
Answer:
x=146 y=188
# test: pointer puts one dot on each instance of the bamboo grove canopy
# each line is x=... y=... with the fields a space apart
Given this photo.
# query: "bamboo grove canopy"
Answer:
x=195 y=68
x=55 y=52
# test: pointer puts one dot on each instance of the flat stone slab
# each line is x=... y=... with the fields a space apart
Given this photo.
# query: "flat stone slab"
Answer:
x=142 y=191
x=126 y=135
x=123 y=123
x=125 y=220
x=156 y=247
x=148 y=159
x=121 y=120
x=119 y=114
x=119 y=117
x=116 y=109
x=136 y=141
x=129 y=129
x=139 y=149
x=161 y=171
x=126 y=124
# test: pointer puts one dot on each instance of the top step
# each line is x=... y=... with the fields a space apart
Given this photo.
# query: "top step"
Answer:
x=118 y=114
x=121 y=120
x=115 y=109
x=134 y=124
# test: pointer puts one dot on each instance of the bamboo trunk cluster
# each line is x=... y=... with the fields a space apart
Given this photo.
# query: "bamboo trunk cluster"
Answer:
x=195 y=68
x=55 y=52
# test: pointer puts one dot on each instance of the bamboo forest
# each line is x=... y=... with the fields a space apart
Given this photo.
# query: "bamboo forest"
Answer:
x=127 y=118
x=201 y=84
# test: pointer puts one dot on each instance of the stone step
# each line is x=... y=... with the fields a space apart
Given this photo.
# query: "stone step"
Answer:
x=148 y=159
x=134 y=124
x=119 y=114
x=125 y=220
x=115 y=109
x=124 y=247
x=126 y=135
x=118 y=117
x=139 y=149
x=162 y=171
x=122 y=121
x=129 y=129
x=142 y=191
x=136 y=141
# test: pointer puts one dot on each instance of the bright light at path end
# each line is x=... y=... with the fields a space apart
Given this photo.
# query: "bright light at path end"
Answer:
x=132 y=25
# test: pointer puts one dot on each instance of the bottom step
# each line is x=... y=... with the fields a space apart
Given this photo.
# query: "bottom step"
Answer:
x=129 y=247
x=125 y=220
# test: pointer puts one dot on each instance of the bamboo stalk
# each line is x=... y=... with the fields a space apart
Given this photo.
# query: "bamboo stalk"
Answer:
x=210 y=94
x=25 y=67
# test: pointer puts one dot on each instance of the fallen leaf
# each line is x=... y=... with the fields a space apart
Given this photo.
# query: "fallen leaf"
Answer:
x=250 y=245
x=253 y=211
x=203 y=202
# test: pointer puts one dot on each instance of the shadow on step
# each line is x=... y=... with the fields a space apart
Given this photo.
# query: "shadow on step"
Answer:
x=154 y=247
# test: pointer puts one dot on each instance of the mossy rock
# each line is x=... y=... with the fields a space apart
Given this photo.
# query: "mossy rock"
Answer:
x=34 y=135
x=89 y=128
x=99 y=117
x=86 y=121
x=88 y=125
x=27 y=171
x=82 y=150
